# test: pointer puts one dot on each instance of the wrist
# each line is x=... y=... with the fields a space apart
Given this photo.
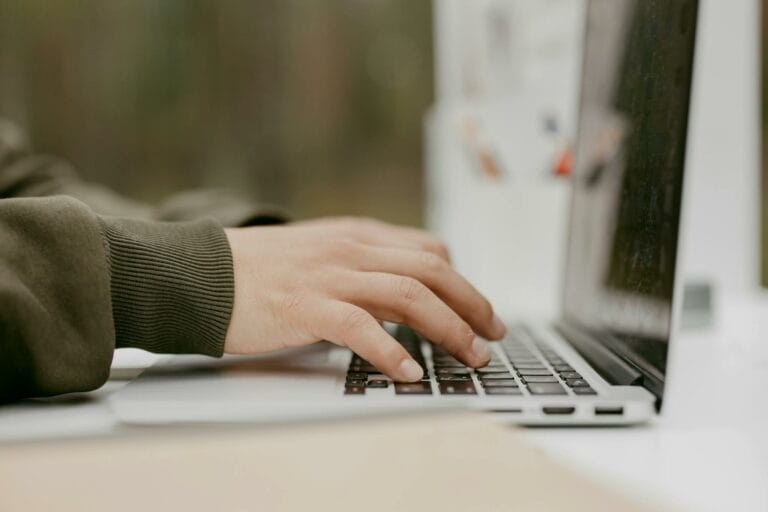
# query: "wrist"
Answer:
x=172 y=285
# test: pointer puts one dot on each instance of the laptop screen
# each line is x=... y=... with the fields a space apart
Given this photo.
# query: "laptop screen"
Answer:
x=628 y=177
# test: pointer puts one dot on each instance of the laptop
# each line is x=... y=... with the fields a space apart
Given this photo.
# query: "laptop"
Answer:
x=604 y=360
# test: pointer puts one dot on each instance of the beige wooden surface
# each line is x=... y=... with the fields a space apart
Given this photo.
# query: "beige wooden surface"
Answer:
x=443 y=462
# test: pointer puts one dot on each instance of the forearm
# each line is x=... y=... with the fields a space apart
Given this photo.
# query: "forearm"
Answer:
x=75 y=285
x=24 y=173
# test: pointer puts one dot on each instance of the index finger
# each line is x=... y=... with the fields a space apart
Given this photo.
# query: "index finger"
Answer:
x=442 y=279
x=351 y=326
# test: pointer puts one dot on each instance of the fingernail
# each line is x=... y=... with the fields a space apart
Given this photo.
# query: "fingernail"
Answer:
x=498 y=327
x=480 y=351
x=410 y=371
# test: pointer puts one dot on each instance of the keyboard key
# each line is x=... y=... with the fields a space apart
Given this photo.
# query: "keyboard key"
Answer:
x=450 y=365
x=530 y=373
x=458 y=388
x=453 y=378
x=499 y=384
x=525 y=360
x=584 y=391
x=497 y=366
x=529 y=366
x=518 y=352
x=452 y=371
x=413 y=388
x=378 y=383
x=355 y=382
x=539 y=379
x=503 y=391
x=577 y=383
x=570 y=375
x=357 y=376
x=546 y=389
x=354 y=390
x=490 y=371
x=495 y=376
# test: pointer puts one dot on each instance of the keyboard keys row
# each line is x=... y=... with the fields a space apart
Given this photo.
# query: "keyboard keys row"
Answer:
x=454 y=378
x=572 y=378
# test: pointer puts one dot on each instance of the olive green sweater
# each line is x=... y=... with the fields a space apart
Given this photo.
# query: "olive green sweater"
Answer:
x=83 y=271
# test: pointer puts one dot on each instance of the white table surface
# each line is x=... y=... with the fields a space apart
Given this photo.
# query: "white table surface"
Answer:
x=707 y=452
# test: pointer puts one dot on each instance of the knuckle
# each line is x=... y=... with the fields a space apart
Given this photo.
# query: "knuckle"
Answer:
x=455 y=335
x=354 y=320
x=345 y=246
x=437 y=247
x=341 y=248
x=432 y=263
x=409 y=290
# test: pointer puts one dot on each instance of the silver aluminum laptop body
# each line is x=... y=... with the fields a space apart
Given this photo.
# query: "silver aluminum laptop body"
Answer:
x=622 y=288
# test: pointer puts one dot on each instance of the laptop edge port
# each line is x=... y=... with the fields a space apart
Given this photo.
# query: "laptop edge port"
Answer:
x=558 y=410
x=609 y=411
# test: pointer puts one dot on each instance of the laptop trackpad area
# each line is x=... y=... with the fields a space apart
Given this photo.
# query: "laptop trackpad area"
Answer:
x=307 y=371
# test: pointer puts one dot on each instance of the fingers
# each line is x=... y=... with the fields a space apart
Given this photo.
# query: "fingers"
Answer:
x=378 y=233
x=441 y=278
x=353 y=327
x=406 y=300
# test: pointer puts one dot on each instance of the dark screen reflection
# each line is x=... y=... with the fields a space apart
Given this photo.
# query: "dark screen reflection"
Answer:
x=629 y=174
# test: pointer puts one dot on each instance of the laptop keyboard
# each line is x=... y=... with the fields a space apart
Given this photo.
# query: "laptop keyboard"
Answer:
x=528 y=367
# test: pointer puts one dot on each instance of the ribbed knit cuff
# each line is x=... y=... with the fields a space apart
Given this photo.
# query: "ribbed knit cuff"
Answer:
x=172 y=285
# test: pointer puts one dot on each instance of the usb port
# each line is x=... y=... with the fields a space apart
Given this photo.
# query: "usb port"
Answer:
x=609 y=411
x=559 y=410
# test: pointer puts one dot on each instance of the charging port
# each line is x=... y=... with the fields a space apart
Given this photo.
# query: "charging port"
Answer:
x=559 y=410
x=609 y=411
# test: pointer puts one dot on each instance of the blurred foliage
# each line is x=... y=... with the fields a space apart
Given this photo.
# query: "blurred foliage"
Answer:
x=314 y=105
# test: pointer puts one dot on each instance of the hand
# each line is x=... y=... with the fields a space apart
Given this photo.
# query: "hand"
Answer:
x=337 y=279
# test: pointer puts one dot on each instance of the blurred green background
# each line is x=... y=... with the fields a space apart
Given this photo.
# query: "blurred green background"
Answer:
x=316 y=106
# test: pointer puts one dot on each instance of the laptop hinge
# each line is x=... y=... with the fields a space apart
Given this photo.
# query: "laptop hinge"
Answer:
x=610 y=366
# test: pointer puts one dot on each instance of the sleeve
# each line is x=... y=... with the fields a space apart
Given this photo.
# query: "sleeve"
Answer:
x=74 y=285
x=27 y=174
